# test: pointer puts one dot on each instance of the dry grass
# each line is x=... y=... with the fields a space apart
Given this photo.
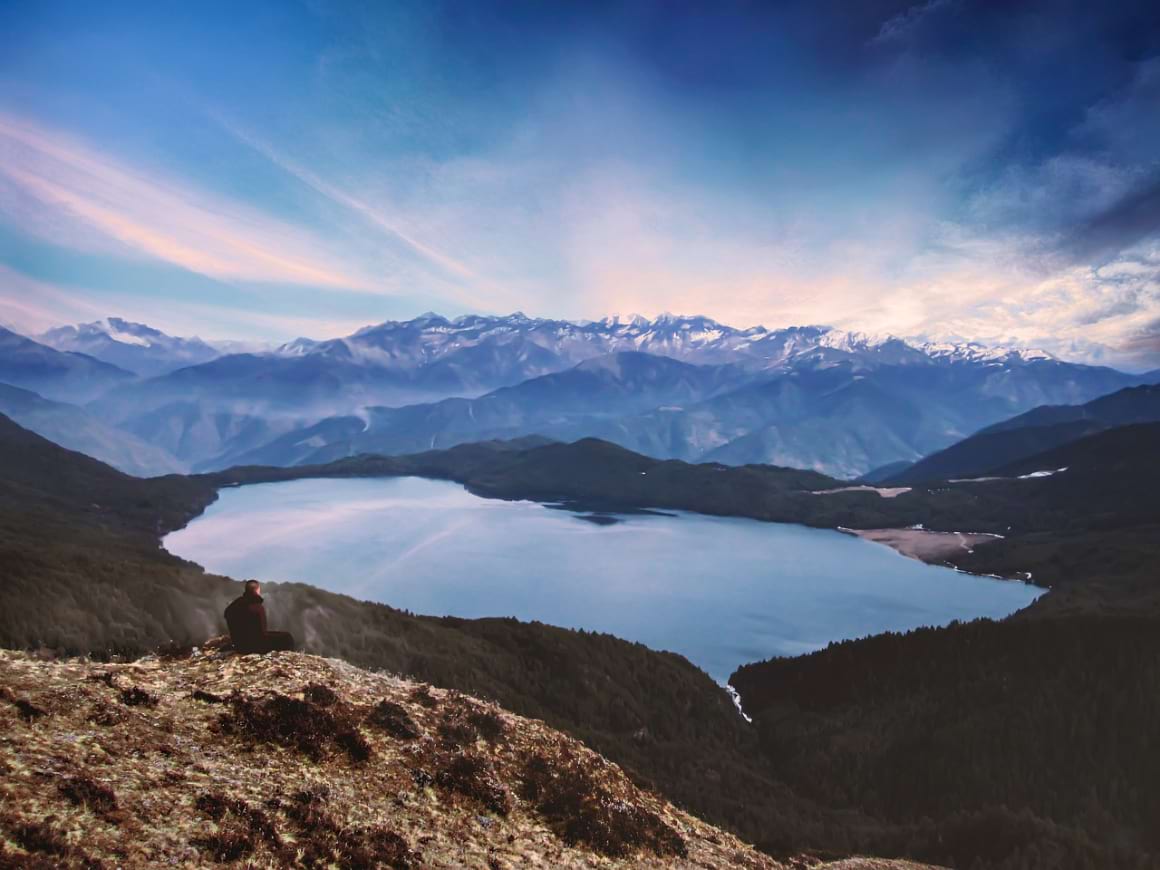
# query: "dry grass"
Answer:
x=584 y=812
x=293 y=760
x=303 y=724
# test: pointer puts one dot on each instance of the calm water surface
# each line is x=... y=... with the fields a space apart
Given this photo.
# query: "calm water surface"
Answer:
x=720 y=591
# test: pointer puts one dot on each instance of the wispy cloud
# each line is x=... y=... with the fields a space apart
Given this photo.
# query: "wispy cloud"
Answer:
x=148 y=214
x=376 y=214
x=31 y=306
x=896 y=28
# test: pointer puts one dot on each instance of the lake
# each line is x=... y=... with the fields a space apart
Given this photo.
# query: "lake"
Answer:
x=720 y=591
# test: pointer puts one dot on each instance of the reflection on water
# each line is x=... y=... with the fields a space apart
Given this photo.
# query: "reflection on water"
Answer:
x=720 y=591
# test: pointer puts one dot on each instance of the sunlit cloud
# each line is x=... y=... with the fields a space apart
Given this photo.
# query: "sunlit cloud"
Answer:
x=160 y=217
x=31 y=306
x=641 y=251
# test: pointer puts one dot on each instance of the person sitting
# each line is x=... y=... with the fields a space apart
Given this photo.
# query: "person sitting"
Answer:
x=246 y=617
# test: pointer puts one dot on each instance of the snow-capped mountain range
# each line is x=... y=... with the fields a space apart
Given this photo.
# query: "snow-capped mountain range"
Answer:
x=536 y=345
x=694 y=339
x=672 y=386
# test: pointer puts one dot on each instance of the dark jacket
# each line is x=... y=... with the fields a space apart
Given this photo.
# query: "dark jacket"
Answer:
x=246 y=617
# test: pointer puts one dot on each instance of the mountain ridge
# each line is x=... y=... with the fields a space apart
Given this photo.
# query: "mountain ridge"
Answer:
x=414 y=382
x=73 y=427
x=59 y=375
x=834 y=416
x=680 y=336
x=134 y=347
x=1042 y=428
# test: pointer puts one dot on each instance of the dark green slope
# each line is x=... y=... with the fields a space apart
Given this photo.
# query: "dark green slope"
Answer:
x=37 y=475
x=1107 y=480
x=1091 y=533
x=1125 y=453
x=1037 y=430
x=588 y=472
x=1020 y=743
x=1010 y=744
x=1139 y=404
x=981 y=454
x=883 y=473
x=79 y=556
x=1112 y=480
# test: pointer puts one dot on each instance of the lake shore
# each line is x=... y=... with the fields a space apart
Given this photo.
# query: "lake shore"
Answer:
x=925 y=545
x=671 y=581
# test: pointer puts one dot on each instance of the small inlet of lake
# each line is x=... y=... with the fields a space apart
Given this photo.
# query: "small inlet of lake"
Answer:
x=720 y=591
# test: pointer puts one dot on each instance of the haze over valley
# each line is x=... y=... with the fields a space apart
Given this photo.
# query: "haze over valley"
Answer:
x=674 y=387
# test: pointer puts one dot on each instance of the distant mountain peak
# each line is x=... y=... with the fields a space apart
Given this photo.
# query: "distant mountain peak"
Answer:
x=128 y=332
x=116 y=329
x=429 y=319
x=620 y=320
x=849 y=340
x=136 y=347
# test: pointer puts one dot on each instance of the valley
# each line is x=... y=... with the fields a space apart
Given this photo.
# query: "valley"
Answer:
x=90 y=575
x=1110 y=493
x=719 y=591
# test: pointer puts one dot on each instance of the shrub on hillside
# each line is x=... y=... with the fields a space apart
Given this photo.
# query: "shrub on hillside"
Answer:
x=297 y=724
x=583 y=812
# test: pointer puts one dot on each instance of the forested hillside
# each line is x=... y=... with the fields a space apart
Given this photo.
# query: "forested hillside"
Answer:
x=1036 y=431
x=935 y=766
x=1014 y=744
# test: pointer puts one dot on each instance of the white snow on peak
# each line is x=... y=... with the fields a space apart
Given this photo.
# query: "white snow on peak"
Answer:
x=840 y=339
x=115 y=329
x=298 y=347
x=693 y=338
x=123 y=331
x=974 y=351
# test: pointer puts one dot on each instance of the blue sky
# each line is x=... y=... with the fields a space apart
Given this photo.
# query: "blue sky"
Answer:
x=944 y=169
